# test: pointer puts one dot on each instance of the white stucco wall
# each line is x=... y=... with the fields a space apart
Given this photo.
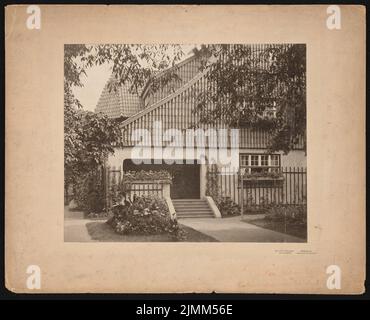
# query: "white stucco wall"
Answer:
x=295 y=158
x=116 y=160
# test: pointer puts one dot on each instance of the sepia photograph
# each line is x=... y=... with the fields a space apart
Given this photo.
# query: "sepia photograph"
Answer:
x=185 y=149
x=174 y=142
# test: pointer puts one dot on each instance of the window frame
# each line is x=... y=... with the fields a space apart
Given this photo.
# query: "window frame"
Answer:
x=245 y=161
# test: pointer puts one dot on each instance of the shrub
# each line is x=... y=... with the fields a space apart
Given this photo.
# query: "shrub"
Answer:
x=89 y=192
x=257 y=207
x=292 y=214
x=145 y=215
x=212 y=183
x=227 y=207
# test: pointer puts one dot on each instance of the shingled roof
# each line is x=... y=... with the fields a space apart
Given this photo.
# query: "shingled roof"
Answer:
x=123 y=103
x=118 y=103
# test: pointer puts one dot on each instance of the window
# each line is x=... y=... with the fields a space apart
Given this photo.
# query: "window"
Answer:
x=264 y=160
x=260 y=162
x=244 y=161
x=254 y=160
x=275 y=160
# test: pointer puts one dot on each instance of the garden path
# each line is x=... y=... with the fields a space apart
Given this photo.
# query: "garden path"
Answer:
x=235 y=230
x=75 y=227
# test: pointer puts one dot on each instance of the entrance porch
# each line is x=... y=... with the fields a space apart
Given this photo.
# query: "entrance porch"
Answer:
x=186 y=177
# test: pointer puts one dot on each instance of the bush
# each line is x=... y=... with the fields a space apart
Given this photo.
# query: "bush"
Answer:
x=146 y=215
x=89 y=192
x=227 y=207
x=294 y=214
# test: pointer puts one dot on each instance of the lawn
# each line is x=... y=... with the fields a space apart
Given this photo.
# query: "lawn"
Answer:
x=101 y=231
x=297 y=230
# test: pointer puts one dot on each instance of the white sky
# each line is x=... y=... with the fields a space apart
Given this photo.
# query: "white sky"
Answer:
x=94 y=82
x=96 y=78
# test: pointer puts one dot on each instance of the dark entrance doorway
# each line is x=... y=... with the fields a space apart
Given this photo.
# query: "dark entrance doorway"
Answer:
x=186 y=177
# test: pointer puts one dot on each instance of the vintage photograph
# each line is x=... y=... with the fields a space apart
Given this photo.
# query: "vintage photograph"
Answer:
x=196 y=143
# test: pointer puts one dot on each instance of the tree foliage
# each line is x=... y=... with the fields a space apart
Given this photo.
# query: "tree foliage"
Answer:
x=245 y=84
x=133 y=64
x=89 y=137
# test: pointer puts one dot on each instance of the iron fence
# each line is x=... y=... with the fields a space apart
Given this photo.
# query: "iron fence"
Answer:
x=286 y=186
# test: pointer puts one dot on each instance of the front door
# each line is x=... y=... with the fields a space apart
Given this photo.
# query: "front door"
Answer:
x=185 y=182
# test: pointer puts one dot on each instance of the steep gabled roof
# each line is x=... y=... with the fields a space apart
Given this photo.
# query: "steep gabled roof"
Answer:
x=168 y=99
x=185 y=71
x=118 y=103
x=178 y=67
x=125 y=103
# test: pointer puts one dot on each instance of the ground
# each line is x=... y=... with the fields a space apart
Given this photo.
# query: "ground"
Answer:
x=78 y=229
x=299 y=231
x=75 y=227
x=235 y=230
x=101 y=231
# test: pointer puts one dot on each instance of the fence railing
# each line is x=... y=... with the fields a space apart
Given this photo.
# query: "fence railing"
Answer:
x=144 y=189
x=114 y=186
x=286 y=186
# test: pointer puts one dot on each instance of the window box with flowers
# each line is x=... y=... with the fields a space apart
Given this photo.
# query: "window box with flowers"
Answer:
x=261 y=169
x=263 y=176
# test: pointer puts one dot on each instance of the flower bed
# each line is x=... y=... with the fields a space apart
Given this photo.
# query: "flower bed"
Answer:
x=145 y=215
x=161 y=175
x=289 y=219
x=227 y=207
x=293 y=214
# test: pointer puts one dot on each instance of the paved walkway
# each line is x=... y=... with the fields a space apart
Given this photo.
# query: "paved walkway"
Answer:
x=235 y=230
x=75 y=227
x=224 y=230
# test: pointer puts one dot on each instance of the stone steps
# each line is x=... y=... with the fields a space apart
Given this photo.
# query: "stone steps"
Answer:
x=192 y=208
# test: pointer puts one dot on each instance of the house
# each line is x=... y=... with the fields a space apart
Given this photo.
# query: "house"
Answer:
x=170 y=108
